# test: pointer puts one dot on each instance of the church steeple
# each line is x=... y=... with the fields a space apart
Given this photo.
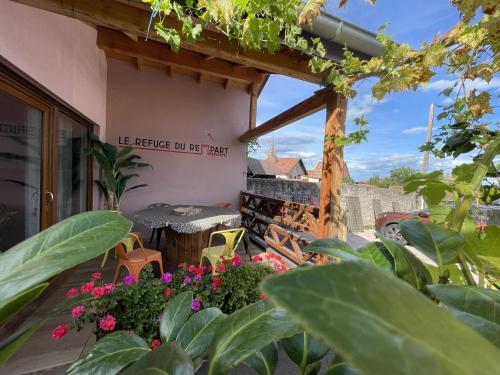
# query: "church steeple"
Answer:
x=271 y=153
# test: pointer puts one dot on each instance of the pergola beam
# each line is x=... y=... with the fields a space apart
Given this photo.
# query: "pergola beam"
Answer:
x=303 y=109
x=114 y=41
x=132 y=17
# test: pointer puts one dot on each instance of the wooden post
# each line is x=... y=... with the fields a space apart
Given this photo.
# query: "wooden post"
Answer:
x=331 y=224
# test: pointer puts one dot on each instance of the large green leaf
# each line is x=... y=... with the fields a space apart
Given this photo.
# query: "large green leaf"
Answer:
x=379 y=324
x=168 y=359
x=486 y=328
x=245 y=332
x=175 y=315
x=407 y=266
x=111 y=354
x=265 y=360
x=341 y=367
x=20 y=301
x=198 y=332
x=440 y=244
x=484 y=246
x=376 y=253
x=331 y=247
x=64 y=245
x=477 y=301
x=9 y=346
x=304 y=349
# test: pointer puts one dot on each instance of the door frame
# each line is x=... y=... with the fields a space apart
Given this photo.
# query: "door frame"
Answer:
x=18 y=84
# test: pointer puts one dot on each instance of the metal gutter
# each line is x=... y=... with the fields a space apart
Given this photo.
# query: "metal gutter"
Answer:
x=335 y=29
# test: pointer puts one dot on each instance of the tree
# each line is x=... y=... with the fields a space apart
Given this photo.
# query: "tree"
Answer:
x=398 y=176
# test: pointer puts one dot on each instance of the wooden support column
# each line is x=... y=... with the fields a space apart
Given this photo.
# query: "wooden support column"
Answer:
x=331 y=222
x=252 y=118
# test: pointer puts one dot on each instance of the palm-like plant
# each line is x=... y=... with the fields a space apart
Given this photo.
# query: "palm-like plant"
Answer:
x=114 y=163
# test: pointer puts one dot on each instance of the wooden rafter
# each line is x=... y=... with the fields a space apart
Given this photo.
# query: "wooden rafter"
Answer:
x=113 y=41
x=305 y=108
x=133 y=17
x=139 y=63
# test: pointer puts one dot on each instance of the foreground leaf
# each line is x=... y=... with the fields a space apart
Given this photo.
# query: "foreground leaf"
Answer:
x=245 y=332
x=11 y=344
x=407 y=266
x=379 y=324
x=111 y=354
x=376 y=254
x=64 y=245
x=19 y=302
x=167 y=359
x=331 y=247
x=486 y=328
x=198 y=332
x=265 y=360
x=440 y=244
x=175 y=315
x=341 y=367
x=304 y=349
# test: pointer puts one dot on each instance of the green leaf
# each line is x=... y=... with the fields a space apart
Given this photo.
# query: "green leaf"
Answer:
x=124 y=151
x=304 y=349
x=407 y=266
x=378 y=323
x=331 y=247
x=486 y=328
x=19 y=302
x=376 y=253
x=167 y=359
x=175 y=315
x=477 y=301
x=265 y=360
x=111 y=354
x=198 y=332
x=340 y=367
x=488 y=245
x=64 y=245
x=245 y=332
x=440 y=244
x=11 y=344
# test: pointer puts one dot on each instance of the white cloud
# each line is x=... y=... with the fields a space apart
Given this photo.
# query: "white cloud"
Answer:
x=415 y=130
x=361 y=105
x=478 y=84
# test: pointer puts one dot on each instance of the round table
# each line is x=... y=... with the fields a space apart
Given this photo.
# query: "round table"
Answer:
x=187 y=235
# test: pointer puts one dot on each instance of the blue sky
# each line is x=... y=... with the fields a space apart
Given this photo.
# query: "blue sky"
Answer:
x=397 y=124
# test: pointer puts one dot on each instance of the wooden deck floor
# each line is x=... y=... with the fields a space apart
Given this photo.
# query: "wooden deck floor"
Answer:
x=43 y=355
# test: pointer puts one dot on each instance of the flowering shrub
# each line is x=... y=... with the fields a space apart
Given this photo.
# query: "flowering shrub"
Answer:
x=136 y=305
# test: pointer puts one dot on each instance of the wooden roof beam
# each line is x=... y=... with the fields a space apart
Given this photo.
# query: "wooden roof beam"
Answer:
x=311 y=105
x=134 y=18
x=110 y=40
x=140 y=65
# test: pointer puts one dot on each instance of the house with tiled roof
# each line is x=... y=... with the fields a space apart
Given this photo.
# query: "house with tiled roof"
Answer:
x=314 y=175
x=274 y=167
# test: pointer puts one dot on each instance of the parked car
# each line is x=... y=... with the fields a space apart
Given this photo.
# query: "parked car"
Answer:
x=387 y=223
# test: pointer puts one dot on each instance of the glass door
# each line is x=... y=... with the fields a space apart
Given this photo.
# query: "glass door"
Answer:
x=22 y=190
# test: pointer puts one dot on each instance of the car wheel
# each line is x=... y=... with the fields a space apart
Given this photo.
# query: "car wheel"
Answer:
x=393 y=232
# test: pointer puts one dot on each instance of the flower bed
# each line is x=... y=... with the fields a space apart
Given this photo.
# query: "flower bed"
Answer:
x=136 y=305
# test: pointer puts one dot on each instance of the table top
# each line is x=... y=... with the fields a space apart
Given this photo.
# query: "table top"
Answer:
x=209 y=217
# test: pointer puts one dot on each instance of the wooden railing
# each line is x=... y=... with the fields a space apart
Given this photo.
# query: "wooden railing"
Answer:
x=282 y=225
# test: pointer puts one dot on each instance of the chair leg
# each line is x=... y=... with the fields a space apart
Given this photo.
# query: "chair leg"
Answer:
x=117 y=272
x=245 y=242
x=104 y=258
x=160 y=264
x=158 y=237
x=152 y=236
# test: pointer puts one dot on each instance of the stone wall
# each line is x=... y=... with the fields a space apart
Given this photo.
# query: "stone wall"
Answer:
x=302 y=191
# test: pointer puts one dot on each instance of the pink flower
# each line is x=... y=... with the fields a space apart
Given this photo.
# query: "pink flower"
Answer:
x=156 y=343
x=279 y=267
x=77 y=311
x=87 y=287
x=100 y=291
x=71 y=293
x=236 y=261
x=187 y=280
x=263 y=296
x=197 y=277
x=107 y=323
x=192 y=268
x=181 y=265
x=221 y=268
x=196 y=304
x=166 y=277
x=168 y=292
x=215 y=284
x=109 y=287
x=60 y=331
x=129 y=280
x=96 y=276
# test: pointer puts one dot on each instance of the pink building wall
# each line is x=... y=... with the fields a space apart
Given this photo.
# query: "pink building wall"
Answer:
x=151 y=106
x=58 y=52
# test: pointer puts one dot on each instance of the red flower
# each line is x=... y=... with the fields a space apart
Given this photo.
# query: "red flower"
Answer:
x=192 y=268
x=210 y=268
x=236 y=261
x=96 y=276
x=60 y=331
x=107 y=323
x=263 y=296
x=100 y=291
x=215 y=284
x=221 y=268
x=77 y=311
x=200 y=270
x=87 y=287
x=168 y=292
x=71 y=293
x=156 y=343
x=181 y=265
x=257 y=259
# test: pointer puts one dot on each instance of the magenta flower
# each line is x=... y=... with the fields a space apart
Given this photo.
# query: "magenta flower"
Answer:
x=196 y=304
x=166 y=277
x=77 y=311
x=129 y=280
x=187 y=280
x=71 y=293
x=197 y=277
x=107 y=323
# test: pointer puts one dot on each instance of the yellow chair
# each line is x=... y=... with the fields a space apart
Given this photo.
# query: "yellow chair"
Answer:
x=214 y=253
x=129 y=242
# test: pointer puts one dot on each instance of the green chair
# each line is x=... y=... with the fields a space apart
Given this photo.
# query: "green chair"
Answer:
x=232 y=239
